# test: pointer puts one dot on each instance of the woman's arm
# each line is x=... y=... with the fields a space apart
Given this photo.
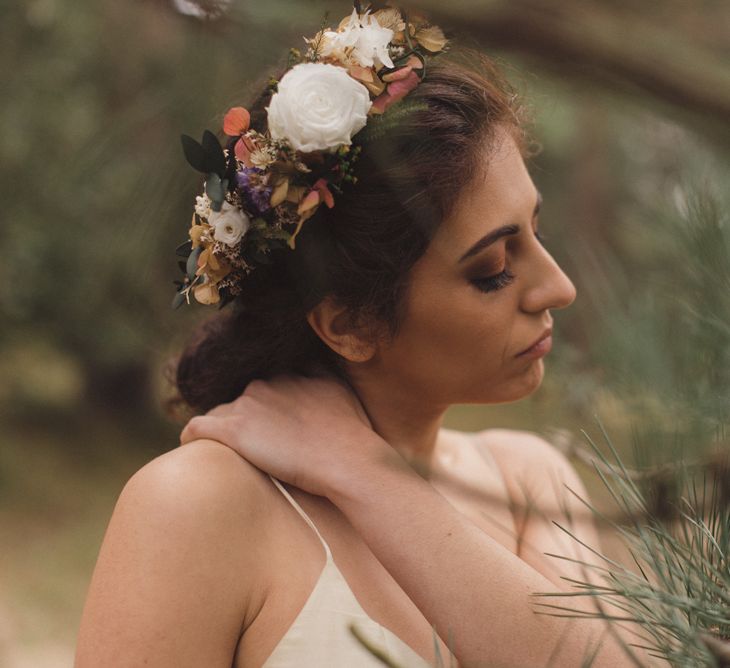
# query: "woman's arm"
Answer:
x=539 y=480
x=545 y=493
x=178 y=574
x=478 y=592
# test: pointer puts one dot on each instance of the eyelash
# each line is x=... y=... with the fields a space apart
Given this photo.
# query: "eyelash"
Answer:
x=503 y=278
x=496 y=282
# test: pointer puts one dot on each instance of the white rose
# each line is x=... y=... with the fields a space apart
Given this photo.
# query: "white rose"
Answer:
x=317 y=107
x=229 y=224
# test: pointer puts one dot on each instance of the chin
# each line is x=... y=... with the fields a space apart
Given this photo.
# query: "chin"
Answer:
x=519 y=387
x=532 y=379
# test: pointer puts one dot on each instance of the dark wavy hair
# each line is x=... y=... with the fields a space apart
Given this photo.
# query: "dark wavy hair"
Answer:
x=416 y=160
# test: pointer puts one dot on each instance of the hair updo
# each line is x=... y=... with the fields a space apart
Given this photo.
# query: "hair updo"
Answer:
x=416 y=161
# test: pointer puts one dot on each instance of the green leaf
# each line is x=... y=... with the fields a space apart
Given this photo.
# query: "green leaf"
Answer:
x=215 y=160
x=194 y=153
x=183 y=250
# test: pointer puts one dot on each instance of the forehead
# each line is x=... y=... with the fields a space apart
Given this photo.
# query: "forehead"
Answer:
x=502 y=193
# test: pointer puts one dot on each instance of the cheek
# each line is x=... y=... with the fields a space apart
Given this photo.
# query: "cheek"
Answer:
x=459 y=345
x=459 y=333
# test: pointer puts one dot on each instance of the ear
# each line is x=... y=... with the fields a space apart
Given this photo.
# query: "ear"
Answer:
x=333 y=324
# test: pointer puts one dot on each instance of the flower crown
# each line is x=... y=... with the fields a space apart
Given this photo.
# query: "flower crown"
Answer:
x=263 y=186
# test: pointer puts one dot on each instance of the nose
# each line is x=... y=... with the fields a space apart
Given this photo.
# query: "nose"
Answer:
x=548 y=287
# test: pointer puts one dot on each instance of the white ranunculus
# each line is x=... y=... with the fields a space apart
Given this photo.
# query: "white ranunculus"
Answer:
x=318 y=106
x=229 y=224
x=368 y=39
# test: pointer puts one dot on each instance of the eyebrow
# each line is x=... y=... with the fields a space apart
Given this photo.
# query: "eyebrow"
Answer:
x=494 y=235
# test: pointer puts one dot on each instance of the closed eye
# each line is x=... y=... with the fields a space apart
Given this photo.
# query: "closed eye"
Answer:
x=492 y=283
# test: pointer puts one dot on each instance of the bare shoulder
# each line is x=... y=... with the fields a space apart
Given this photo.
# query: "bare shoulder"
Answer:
x=534 y=470
x=199 y=488
x=518 y=451
x=206 y=498
x=203 y=474
x=180 y=570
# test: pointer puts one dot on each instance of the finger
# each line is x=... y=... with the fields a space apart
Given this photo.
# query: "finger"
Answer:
x=256 y=387
x=208 y=427
x=222 y=409
x=241 y=404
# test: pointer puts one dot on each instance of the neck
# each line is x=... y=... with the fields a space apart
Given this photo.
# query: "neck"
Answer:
x=402 y=418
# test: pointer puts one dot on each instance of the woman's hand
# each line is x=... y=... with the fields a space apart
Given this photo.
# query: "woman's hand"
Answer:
x=309 y=432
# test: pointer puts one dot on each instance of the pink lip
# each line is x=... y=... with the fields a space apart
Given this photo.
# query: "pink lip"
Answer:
x=540 y=348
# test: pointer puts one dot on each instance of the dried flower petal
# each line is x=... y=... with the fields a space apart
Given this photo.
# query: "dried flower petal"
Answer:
x=396 y=91
x=278 y=195
x=390 y=17
x=243 y=149
x=431 y=38
x=398 y=74
x=362 y=74
x=236 y=121
x=196 y=232
x=206 y=293
x=367 y=77
x=324 y=193
x=310 y=201
x=295 y=194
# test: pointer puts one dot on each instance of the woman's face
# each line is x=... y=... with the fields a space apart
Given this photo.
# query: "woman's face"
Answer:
x=480 y=296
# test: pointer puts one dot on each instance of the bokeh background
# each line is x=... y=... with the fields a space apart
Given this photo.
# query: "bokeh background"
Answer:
x=630 y=102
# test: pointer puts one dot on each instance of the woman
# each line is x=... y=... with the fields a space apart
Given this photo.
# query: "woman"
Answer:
x=422 y=285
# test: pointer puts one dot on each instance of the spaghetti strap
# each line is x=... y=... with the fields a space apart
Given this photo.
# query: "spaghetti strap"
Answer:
x=304 y=515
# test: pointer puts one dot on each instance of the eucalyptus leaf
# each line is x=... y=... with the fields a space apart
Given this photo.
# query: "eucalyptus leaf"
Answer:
x=178 y=300
x=192 y=263
x=214 y=190
x=194 y=153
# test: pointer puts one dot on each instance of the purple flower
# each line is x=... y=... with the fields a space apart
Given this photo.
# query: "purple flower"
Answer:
x=255 y=193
